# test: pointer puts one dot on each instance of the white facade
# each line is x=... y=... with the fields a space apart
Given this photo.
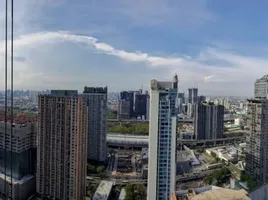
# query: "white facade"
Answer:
x=162 y=140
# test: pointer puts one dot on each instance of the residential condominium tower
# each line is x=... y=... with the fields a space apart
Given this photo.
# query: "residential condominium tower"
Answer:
x=208 y=121
x=257 y=141
x=17 y=161
x=96 y=98
x=192 y=95
x=62 y=145
x=162 y=139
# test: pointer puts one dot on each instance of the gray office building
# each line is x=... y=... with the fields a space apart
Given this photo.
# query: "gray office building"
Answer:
x=208 y=121
x=17 y=177
x=96 y=98
x=192 y=95
x=261 y=88
x=123 y=109
x=257 y=141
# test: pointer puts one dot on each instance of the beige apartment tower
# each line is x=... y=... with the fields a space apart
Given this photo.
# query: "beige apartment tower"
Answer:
x=62 y=145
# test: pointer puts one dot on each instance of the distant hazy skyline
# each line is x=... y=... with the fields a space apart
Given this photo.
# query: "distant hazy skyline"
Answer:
x=219 y=46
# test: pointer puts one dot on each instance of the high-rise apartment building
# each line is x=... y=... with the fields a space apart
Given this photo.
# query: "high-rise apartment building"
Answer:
x=190 y=110
x=208 y=121
x=96 y=99
x=17 y=161
x=123 y=109
x=141 y=105
x=62 y=145
x=257 y=141
x=182 y=97
x=261 y=88
x=128 y=96
x=162 y=139
x=193 y=95
x=201 y=99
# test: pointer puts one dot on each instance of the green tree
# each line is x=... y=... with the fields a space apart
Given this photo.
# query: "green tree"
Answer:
x=111 y=151
x=91 y=169
x=129 y=192
x=100 y=169
x=140 y=189
x=138 y=197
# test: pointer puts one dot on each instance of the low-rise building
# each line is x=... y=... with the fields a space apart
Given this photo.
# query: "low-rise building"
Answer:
x=122 y=194
x=103 y=191
x=227 y=154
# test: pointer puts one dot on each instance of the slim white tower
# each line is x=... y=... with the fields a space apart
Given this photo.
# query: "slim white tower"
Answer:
x=162 y=139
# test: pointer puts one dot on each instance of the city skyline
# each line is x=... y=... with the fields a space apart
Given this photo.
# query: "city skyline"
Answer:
x=138 y=40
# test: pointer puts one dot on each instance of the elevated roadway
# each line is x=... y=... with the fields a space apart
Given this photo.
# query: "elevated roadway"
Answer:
x=124 y=140
x=226 y=119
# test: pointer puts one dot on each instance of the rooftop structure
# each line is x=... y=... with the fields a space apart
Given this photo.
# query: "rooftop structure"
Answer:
x=261 y=88
x=223 y=194
x=210 y=192
x=103 y=191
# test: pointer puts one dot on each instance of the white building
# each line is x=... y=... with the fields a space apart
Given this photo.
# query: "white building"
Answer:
x=162 y=139
x=103 y=191
x=237 y=121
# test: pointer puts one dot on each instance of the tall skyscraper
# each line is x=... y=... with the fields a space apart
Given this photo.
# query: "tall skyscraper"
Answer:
x=128 y=96
x=261 y=88
x=257 y=141
x=62 y=145
x=208 y=121
x=123 y=109
x=190 y=110
x=97 y=110
x=182 y=97
x=162 y=139
x=17 y=177
x=201 y=99
x=193 y=95
x=141 y=105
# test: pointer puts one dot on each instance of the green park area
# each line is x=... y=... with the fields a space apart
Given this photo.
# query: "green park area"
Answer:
x=111 y=115
x=135 y=192
x=251 y=184
x=128 y=128
x=96 y=170
x=218 y=177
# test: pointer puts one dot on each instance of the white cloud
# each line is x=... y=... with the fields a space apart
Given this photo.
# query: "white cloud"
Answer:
x=191 y=70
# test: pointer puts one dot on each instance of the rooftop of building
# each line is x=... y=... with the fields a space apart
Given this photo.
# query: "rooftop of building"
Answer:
x=222 y=193
x=64 y=93
x=88 y=90
x=27 y=127
x=16 y=181
x=211 y=192
x=264 y=78
x=103 y=191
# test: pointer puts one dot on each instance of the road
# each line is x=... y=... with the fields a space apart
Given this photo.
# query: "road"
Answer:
x=123 y=181
x=191 y=176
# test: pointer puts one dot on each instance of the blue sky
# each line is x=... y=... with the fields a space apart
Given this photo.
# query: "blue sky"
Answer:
x=219 y=46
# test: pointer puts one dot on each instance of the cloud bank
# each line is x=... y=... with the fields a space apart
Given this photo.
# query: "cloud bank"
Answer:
x=191 y=70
